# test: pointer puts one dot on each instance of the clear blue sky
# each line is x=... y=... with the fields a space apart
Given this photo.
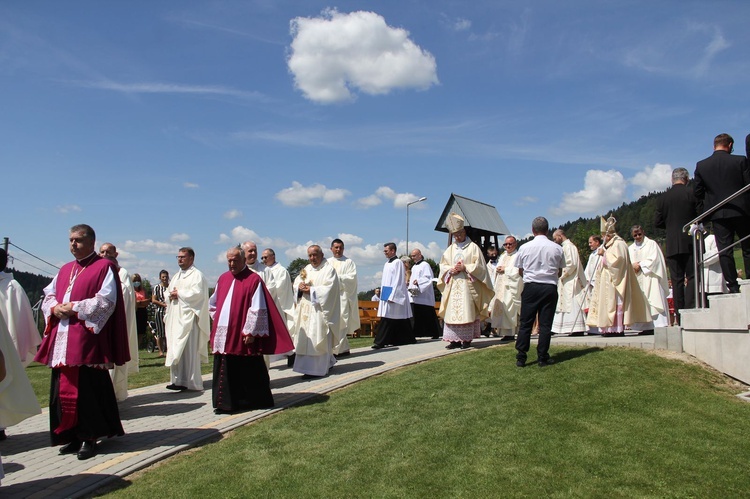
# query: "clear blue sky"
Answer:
x=166 y=123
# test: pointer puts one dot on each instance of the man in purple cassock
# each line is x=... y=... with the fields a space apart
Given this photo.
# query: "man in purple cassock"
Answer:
x=246 y=326
x=85 y=335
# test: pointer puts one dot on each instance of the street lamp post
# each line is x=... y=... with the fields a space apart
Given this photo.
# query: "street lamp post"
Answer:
x=407 y=221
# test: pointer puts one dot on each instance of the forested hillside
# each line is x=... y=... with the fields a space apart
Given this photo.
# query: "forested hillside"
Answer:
x=33 y=284
x=640 y=212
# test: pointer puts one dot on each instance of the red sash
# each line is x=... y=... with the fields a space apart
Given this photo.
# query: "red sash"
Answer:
x=68 y=395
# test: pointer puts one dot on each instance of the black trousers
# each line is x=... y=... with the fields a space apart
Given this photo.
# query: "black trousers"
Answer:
x=724 y=230
x=536 y=299
x=681 y=270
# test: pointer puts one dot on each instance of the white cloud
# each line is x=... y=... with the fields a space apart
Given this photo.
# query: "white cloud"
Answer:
x=601 y=190
x=400 y=199
x=526 y=200
x=461 y=24
x=369 y=201
x=336 y=54
x=300 y=195
x=232 y=214
x=150 y=246
x=223 y=239
x=350 y=239
x=175 y=238
x=169 y=88
x=190 y=185
x=68 y=208
x=241 y=234
x=684 y=50
x=652 y=179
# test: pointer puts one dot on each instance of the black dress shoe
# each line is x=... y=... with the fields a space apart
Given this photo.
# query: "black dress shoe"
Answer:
x=377 y=347
x=520 y=363
x=342 y=354
x=453 y=345
x=465 y=345
x=71 y=448
x=545 y=363
x=178 y=388
x=88 y=450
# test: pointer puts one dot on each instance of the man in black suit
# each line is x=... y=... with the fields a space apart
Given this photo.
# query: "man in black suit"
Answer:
x=674 y=209
x=716 y=178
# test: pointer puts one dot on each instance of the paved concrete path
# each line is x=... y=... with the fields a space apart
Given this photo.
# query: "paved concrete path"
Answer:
x=159 y=423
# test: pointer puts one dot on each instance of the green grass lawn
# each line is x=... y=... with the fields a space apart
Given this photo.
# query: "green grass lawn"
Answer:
x=600 y=423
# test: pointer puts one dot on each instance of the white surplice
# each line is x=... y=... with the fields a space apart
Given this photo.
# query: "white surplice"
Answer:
x=652 y=280
x=120 y=374
x=187 y=328
x=317 y=320
x=396 y=304
x=347 y=272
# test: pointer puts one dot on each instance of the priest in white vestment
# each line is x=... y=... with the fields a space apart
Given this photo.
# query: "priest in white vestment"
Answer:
x=347 y=272
x=571 y=286
x=317 y=315
x=17 y=398
x=120 y=374
x=505 y=305
x=187 y=325
x=253 y=263
x=16 y=310
x=279 y=284
x=651 y=269
x=465 y=285
x=394 y=308
x=617 y=301
x=422 y=297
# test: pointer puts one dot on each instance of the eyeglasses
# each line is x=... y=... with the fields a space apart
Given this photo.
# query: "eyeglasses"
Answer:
x=509 y=244
x=181 y=256
x=264 y=258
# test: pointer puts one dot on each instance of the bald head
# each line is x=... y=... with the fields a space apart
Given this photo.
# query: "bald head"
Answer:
x=251 y=252
x=108 y=250
x=416 y=255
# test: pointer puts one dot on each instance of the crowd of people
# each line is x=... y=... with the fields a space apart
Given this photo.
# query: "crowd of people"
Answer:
x=95 y=310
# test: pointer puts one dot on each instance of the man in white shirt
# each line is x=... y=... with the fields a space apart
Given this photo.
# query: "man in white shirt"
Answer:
x=540 y=262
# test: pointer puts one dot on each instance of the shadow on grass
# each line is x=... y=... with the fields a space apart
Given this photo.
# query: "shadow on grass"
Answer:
x=336 y=370
x=566 y=355
x=300 y=399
